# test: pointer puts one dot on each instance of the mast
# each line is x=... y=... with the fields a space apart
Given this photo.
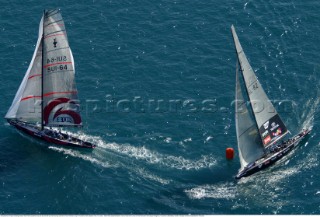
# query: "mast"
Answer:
x=42 y=75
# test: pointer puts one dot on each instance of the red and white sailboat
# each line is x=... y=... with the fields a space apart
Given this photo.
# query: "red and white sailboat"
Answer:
x=47 y=98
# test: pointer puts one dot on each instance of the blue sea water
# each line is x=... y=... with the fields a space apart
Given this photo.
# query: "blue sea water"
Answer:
x=156 y=80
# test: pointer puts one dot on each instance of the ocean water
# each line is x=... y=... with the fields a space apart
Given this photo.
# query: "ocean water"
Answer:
x=156 y=80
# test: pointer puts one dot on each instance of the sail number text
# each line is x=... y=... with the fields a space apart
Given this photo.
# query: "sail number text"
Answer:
x=253 y=88
x=53 y=63
x=57 y=59
x=57 y=67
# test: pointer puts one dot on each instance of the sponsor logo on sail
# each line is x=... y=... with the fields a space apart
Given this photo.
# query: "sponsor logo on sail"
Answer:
x=267 y=139
x=264 y=134
x=55 y=42
x=274 y=126
x=266 y=125
x=278 y=132
x=58 y=111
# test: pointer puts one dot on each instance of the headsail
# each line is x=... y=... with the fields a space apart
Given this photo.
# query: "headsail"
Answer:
x=26 y=105
x=60 y=97
x=271 y=127
x=249 y=142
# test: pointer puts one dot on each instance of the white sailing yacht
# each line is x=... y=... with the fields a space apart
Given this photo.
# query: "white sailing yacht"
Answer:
x=259 y=126
x=47 y=96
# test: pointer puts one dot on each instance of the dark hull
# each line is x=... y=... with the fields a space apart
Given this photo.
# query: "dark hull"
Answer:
x=50 y=137
x=271 y=159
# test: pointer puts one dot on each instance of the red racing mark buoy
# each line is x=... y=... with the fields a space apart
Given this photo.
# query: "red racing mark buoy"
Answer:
x=229 y=153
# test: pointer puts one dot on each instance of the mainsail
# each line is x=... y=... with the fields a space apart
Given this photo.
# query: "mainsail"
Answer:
x=50 y=79
x=60 y=96
x=271 y=127
x=249 y=142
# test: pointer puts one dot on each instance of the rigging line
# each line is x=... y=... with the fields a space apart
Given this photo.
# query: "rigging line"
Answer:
x=54 y=24
x=65 y=92
x=50 y=15
x=247 y=130
x=42 y=59
x=35 y=75
x=51 y=34
x=58 y=63
x=51 y=23
x=57 y=21
x=30 y=97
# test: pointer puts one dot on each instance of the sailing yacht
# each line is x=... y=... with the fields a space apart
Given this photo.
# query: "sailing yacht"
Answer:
x=47 y=98
x=258 y=125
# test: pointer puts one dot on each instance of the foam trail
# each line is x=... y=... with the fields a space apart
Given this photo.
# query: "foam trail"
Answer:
x=142 y=153
x=308 y=114
x=142 y=172
x=97 y=140
x=225 y=191
x=77 y=154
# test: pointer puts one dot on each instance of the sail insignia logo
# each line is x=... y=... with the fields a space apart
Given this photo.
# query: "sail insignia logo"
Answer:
x=265 y=134
x=277 y=133
x=274 y=126
x=55 y=42
x=266 y=125
x=267 y=139
x=58 y=111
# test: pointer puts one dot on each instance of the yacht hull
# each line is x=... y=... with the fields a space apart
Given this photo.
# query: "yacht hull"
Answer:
x=50 y=136
x=268 y=161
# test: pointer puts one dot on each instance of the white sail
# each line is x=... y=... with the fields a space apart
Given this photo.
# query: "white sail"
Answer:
x=249 y=143
x=60 y=97
x=26 y=105
x=271 y=127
